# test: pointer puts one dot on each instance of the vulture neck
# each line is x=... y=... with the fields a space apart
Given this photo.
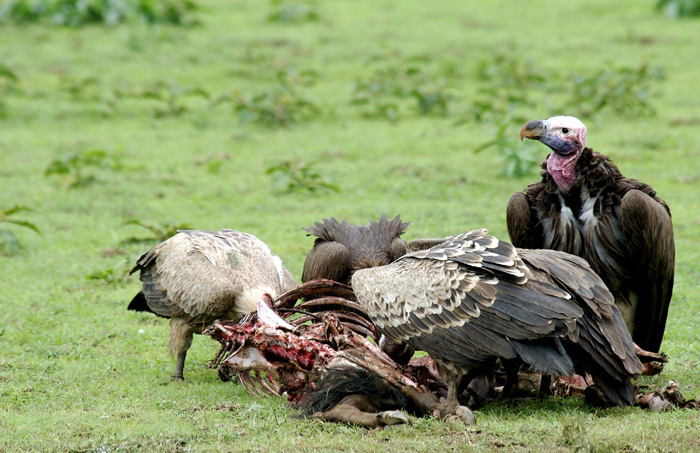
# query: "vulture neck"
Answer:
x=563 y=169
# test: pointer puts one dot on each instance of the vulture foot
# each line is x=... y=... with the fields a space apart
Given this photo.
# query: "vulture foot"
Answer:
x=177 y=378
x=462 y=415
x=653 y=362
x=393 y=418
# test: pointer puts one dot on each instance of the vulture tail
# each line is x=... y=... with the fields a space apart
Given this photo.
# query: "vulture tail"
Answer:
x=341 y=382
x=619 y=393
x=139 y=303
x=545 y=356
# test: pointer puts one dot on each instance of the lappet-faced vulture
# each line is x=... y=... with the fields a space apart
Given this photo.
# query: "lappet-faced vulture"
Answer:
x=341 y=249
x=474 y=298
x=196 y=277
x=584 y=206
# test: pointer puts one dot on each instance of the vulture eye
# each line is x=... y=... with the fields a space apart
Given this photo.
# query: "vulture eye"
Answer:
x=565 y=131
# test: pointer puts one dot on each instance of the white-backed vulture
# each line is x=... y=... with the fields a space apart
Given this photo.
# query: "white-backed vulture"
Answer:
x=584 y=206
x=196 y=277
x=474 y=298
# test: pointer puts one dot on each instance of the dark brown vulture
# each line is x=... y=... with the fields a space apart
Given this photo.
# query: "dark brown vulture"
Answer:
x=196 y=277
x=342 y=249
x=584 y=206
x=474 y=298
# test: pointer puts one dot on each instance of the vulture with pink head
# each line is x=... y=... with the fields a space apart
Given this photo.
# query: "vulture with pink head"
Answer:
x=583 y=205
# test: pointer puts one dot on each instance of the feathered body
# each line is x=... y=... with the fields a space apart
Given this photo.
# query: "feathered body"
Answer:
x=196 y=277
x=341 y=249
x=474 y=298
x=619 y=225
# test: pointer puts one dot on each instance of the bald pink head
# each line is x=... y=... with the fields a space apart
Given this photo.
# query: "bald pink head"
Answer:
x=566 y=136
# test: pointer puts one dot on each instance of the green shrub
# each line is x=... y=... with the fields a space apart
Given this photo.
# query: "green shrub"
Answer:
x=293 y=11
x=399 y=84
x=623 y=90
x=676 y=9
x=73 y=165
x=8 y=242
x=298 y=177
x=281 y=105
x=78 y=13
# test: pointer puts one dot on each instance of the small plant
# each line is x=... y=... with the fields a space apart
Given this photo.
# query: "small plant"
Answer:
x=298 y=177
x=677 y=9
x=72 y=166
x=115 y=275
x=518 y=159
x=213 y=163
x=623 y=90
x=386 y=91
x=21 y=11
x=281 y=105
x=171 y=97
x=78 y=13
x=160 y=231
x=167 y=12
x=8 y=242
x=293 y=11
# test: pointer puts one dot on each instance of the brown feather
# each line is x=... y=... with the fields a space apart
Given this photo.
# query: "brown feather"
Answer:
x=617 y=224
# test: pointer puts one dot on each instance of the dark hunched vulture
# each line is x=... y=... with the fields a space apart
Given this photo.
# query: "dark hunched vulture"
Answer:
x=584 y=206
x=342 y=249
x=474 y=298
x=196 y=277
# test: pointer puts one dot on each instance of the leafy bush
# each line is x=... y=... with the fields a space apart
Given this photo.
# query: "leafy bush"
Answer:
x=390 y=86
x=676 y=9
x=78 y=13
x=8 y=82
x=507 y=83
x=293 y=11
x=72 y=166
x=282 y=105
x=170 y=96
x=160 y=231
x=8 y=242
x=624 y=90
x=298 y=177
x=114 y=275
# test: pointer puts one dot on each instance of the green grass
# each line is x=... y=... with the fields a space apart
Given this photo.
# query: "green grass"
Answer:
x=80 y=373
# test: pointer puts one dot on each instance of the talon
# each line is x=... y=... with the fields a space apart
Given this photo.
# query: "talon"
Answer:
x=393 y=418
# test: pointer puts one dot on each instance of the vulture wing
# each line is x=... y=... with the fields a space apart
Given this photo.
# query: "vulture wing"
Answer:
x=199 y=275
x=646 y=224
x=521 y=225
x=468 y=300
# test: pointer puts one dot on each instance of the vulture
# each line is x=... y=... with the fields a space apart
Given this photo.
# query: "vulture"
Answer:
x=474 y=299
x=341 y=249
x=584 y=206
x=196 y=277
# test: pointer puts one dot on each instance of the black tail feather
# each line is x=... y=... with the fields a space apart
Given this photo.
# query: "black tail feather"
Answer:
x=139 y=303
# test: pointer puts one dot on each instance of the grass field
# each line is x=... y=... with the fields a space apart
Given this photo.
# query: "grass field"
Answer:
x=178 y=126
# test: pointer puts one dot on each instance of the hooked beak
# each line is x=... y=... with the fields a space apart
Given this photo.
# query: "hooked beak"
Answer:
x=534 y=130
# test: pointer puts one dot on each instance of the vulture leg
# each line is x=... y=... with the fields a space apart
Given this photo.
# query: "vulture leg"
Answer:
x=179 y=343
x=511 y=367
x=179 y=367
